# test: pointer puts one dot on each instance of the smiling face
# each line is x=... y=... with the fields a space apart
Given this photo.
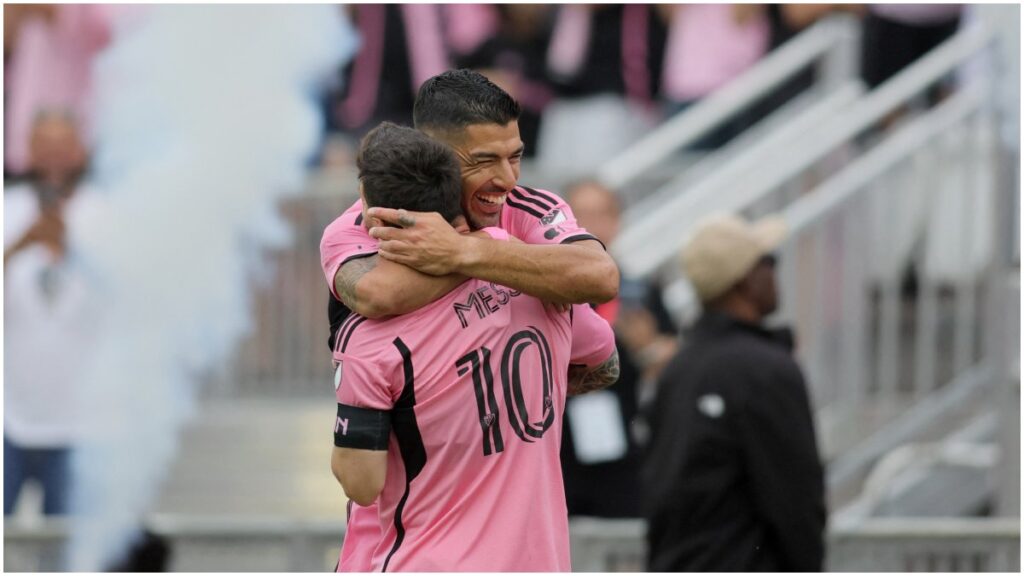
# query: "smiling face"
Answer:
x=489 y=155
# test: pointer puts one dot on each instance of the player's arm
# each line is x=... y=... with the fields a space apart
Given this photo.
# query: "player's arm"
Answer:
x=583 y=379
x=359 y=458
x=563 y=273
x=593 y=358
x=360 y=472
x=375 y=287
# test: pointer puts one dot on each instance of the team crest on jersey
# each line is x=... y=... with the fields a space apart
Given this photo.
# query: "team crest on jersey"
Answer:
x=337 y=375
x=488 y=420
x=554 y=217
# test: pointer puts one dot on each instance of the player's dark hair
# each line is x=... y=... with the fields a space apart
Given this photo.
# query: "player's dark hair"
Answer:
x=455 y=99
x=404 y=168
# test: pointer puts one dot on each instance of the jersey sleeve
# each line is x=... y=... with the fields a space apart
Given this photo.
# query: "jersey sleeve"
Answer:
x=592 y=338
x=495 y=233
x=541 y=217
x=344 y=240
x=362 y=382
x=365 y=395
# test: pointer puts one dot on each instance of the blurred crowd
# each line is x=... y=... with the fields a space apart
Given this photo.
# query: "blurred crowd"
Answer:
x=591 y=78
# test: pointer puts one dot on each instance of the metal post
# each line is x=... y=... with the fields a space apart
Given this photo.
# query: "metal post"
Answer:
x=841 y=62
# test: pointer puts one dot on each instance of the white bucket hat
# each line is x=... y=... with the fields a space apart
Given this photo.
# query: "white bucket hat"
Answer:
x=724 y=248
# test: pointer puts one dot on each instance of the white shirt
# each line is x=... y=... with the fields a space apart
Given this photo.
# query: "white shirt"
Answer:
x=49 y=322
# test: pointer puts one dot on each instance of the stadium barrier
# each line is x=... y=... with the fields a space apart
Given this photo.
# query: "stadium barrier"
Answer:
x=268 y=545
x=871 y=203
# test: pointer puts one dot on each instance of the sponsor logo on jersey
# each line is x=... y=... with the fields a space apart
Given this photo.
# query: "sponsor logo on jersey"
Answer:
x=554 y=217
x=554 y=231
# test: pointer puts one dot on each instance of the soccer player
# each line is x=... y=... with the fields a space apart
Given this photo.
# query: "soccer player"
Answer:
x=558 y=261
x=450 y=417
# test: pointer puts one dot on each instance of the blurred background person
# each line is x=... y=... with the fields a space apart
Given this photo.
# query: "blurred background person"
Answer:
x=732 y=479
x=708 y=46
x=895 y=35
x=401 y=46
x=512 y=55
x=600 y=445
x=604 y=62
x=48 y=56
x=48 y=317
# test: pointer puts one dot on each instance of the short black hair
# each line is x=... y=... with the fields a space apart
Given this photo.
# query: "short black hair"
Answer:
x=404 y=168
x=456 y=99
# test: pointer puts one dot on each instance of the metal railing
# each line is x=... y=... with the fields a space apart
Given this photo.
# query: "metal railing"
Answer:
x=742 y=182
x=934 y=545
x=286 y=354
x=832 y=43
x=878 y=545
x=887 y=360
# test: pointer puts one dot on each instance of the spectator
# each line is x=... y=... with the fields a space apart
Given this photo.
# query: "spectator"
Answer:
x=708 y=46
x=786 y=21
x=48 y=318
x=513 y=58
x=600 y=452
x=402 y=46
x=733 y=479
x=895 y=35
x=604 y=61
x=49 y=65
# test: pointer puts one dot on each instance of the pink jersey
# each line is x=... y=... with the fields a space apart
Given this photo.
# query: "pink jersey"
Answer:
x=362 y=533
x=533 y=216
x=475 y=384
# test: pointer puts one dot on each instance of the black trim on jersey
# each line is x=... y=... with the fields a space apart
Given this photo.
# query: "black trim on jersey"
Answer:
x=578 y=237
x=360 y=320
x=359 y=219
x=339 y=336
x=545 y=195
x=523 y=207
x=536 y=201
x=410 y=443
x=356 y=257
x=337 y=313
x=365 y=428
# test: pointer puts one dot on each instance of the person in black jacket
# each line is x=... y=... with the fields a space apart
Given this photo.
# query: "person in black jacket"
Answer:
x=732 y=478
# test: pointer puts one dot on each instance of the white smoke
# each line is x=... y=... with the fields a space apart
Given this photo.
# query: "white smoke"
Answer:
x=207 y=117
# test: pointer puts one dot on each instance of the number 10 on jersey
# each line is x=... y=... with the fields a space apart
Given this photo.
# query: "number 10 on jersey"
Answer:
x=479 y=362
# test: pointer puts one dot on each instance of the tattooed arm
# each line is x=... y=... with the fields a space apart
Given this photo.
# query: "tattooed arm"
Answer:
x=583 y=379
x=375 y=287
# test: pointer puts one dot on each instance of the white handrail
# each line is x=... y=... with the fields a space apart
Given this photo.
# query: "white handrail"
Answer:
x=658 y=212
x=708 y=113
x=645 y=241
x=830 y=195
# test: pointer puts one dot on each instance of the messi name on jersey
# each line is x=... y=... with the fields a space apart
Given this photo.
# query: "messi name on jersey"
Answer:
x=483 y=302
